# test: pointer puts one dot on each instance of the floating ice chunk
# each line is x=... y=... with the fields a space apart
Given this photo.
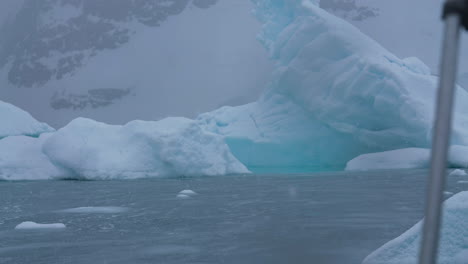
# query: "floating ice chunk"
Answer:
x=170 y=147
x=410 y=158
x=188 y=192
x=462 y=182
x=183 y=196
x=16 y=122
x=96 y=210
x=448 y=193
x=32 y=225
x=454 y=238
x=458 y=172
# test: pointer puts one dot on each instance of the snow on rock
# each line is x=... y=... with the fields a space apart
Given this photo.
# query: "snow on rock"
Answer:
x=21 y=158
x=458 y=172
x=408 y=158
x=32 y=226
x=171 y=147
x=95 y=210
x=454 y=238
x=17 y=122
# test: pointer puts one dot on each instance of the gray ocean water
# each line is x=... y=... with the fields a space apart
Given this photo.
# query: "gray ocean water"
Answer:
x=320 y=218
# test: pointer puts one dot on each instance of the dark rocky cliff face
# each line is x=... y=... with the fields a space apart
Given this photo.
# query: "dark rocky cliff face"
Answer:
x=50 y=39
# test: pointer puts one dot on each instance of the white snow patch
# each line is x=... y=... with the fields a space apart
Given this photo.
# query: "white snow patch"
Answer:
x=28 y=225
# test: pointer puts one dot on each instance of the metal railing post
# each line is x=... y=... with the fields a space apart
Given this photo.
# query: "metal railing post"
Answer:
x=441 y=133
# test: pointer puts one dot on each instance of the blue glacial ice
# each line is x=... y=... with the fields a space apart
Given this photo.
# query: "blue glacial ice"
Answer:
x=17 y=122
x=454 y=243
x=335 y=94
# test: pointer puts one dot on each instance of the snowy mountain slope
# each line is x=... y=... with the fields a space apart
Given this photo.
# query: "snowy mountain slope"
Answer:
x=130 y=59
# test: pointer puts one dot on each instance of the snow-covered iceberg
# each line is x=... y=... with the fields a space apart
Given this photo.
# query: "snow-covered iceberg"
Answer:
x=171 y=147
x=15 y=122
x=335 y=94
x=453 y=245
x=86 y=149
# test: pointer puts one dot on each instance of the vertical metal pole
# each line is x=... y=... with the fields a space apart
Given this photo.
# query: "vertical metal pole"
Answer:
x=440 y=141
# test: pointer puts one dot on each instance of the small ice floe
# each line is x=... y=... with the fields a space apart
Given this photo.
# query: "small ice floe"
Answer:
x=458 y=172
x=448 y=193
x=462 y=182
x=96 y=210
x=186 y=194
x=28 y=225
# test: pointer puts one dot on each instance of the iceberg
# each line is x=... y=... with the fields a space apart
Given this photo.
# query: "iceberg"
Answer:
x=335 y=94
x=21 y=158
x=408 y=158
x=87 y=149
x=454 y=238
x=16 y=122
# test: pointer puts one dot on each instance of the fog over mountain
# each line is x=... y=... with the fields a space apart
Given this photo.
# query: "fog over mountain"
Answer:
x=144 y=59
x=120 y=60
